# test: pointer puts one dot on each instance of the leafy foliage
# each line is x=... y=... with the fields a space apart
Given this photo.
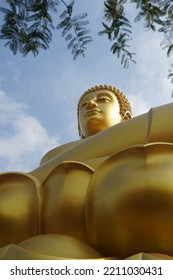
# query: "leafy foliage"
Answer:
x=170 y=74
x=118 y=31
x=157 y=16
x=28 y=26
x=77 y=41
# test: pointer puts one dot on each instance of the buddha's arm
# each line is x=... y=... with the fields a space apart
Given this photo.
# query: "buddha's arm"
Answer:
x=58 y=150
x=105 y=143
x=160 y=124
x=154 y=126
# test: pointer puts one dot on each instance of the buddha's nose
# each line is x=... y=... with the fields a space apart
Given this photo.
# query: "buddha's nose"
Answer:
x=91 y=104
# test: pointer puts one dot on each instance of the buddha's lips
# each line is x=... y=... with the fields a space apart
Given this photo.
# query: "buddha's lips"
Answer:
x=92 y=112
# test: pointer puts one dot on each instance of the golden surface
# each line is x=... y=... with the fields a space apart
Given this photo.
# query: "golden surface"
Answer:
x=49 y=247
x=108 y=196
x=19 y=207
x=64 y=195
x=132 y=195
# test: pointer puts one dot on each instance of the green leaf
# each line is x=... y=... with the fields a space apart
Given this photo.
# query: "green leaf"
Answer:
x=170 y=49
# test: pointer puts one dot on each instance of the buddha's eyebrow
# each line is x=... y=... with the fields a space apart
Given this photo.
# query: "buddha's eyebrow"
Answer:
x=83 y=101
x=86 y=99
x=105 y=94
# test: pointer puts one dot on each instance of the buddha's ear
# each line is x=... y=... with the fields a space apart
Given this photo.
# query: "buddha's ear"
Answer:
x=127 y=116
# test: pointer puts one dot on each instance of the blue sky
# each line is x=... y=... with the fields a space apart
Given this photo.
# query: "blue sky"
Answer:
x=38 y=95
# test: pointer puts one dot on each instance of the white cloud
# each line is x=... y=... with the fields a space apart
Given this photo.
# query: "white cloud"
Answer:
x=23 y=139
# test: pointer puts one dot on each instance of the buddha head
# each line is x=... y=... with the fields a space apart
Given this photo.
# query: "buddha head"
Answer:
x=101 y=107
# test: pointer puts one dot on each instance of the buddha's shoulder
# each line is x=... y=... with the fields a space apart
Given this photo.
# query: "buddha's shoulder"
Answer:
x=58 y=150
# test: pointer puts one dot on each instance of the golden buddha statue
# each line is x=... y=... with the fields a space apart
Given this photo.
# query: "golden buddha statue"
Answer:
x=108 y=195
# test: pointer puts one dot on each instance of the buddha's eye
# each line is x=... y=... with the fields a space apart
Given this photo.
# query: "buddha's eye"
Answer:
x=104 y=99
x=83 y=105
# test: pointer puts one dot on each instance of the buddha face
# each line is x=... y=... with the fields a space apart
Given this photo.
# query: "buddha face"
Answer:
x=98 y=110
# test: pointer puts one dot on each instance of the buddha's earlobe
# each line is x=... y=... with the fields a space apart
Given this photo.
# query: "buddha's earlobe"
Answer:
x=127 y=116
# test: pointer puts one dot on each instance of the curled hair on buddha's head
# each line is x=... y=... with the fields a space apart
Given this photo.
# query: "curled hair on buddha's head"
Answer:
x=125 y=108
